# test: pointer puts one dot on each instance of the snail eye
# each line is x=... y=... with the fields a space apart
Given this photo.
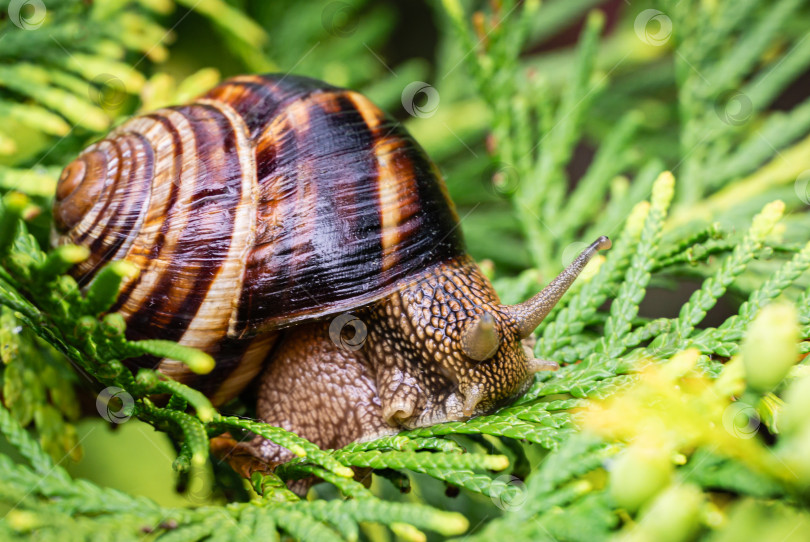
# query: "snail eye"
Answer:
x=480 y=339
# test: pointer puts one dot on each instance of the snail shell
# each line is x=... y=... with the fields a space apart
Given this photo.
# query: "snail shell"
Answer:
x=271 y=200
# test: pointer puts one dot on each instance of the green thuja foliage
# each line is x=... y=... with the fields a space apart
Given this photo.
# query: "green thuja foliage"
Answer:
x=677 y=423
x=68 y=69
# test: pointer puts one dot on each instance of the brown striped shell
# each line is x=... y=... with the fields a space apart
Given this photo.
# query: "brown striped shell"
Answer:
x=269 y=201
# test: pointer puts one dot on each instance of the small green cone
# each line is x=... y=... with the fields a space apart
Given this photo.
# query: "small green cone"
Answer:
x=770 y=347
x=638 y=474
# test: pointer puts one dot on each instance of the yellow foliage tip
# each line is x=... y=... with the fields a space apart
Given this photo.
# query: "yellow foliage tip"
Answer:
x=454 y=9
x=531 y=6
x=73 y=253
x=408 y=532
x=206 y=414
x=496 y=462
x=680 y=365
x=198 y=459
x=22 y=520
x=452 y=523
x=637 y=217
x=125 y=269
x=771 y=346
x=676 y=407
x=15 y=202
x=765 y=221
x=596 y=19
x=663 y=190
x=298 y=450
x=200 y=362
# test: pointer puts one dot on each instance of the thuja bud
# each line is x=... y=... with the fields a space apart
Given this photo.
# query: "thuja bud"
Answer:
x=638 y=474
x=674 y=516
x=770 y=347
x=793 y=416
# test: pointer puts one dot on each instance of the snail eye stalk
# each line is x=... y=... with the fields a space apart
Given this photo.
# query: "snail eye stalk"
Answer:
x=480 y=339
x=530 y=313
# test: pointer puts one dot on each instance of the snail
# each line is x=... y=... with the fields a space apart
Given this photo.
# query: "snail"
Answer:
x=272 y=218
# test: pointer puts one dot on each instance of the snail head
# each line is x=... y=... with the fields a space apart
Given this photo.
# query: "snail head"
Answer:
x=474 y=352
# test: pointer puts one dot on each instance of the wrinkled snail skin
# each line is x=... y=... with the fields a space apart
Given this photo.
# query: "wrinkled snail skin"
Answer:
x=258 y=213
x=410 y=372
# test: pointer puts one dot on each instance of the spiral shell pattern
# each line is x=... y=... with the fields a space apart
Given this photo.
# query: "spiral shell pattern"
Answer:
x=270 y=200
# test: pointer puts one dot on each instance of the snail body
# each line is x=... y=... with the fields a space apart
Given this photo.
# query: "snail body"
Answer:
x=261 y=214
